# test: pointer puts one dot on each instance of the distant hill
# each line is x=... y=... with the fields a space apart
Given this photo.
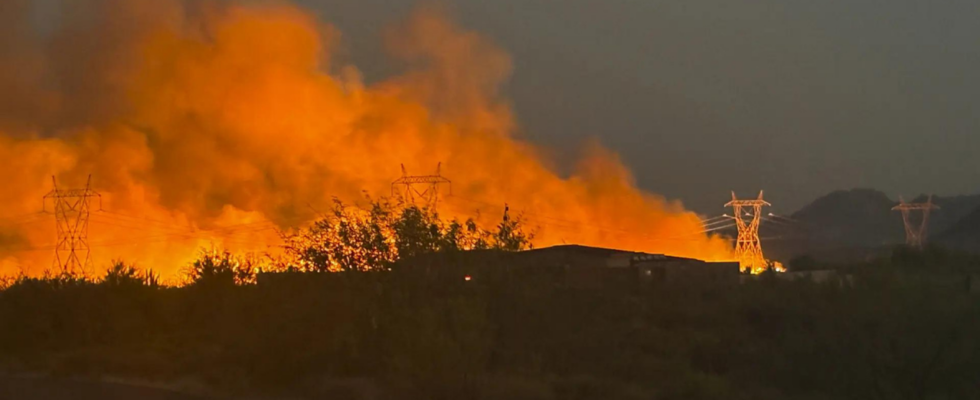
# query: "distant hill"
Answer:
x=857 y=217
x=857 y=223
x=964 y=234
x=951 y=211
x=842 y=224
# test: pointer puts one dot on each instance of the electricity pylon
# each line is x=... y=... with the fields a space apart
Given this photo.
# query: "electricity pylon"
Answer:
x=915 y=236
x=748 y=247
x=71 y=210
x=408 y=187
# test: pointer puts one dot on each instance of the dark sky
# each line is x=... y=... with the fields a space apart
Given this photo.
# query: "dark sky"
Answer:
x=798 y=97
x=699 y=97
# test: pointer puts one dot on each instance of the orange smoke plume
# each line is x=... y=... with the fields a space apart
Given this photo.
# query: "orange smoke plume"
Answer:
x=217 y=123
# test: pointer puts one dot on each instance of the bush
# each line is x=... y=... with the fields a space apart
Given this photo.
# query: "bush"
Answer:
x=221 y=268
x=351 y=239
x=122 y=275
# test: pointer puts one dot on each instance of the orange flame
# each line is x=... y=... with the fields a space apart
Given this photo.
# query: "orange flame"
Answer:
x=214 y=123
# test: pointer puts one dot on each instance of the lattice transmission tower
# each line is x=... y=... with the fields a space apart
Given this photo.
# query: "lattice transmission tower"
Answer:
x=915 y=236
x=71 y=209
x=748 y=246
x=420 y=188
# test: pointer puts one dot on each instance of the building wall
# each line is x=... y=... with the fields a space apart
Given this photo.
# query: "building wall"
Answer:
x=575 y=266
x=685 y=270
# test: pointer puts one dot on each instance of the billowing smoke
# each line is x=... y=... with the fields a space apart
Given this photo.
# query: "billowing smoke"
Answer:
x=206 y=122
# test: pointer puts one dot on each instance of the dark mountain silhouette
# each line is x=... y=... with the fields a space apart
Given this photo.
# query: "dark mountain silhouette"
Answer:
x=964 y=234
x=860 y=217
x=848 y=225
x=951 y=211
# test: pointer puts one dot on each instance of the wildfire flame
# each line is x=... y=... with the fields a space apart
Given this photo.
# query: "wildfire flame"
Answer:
x=215 y=123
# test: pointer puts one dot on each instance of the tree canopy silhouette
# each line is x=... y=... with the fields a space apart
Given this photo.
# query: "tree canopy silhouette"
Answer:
x=373 y=239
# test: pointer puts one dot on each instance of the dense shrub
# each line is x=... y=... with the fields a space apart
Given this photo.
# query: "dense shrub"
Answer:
x=897 y=328
x=353 y=239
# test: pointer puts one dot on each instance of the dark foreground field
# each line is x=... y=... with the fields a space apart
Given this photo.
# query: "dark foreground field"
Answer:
x=33 y=388
x=899 y=328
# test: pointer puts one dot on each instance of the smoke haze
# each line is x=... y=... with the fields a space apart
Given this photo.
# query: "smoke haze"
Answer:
x=216 y=123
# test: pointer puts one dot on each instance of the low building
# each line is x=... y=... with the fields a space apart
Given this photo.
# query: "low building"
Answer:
x=566 y=265
x=675 y=269
x=817 y=276
x=582 y=266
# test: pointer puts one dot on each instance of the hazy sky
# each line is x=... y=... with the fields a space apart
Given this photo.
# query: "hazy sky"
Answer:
x=797 y=97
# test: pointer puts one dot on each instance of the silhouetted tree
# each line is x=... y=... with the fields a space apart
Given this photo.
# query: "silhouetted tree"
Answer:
x=509 y=235
x=121 y=274
x=221 y=268
x=352 y=239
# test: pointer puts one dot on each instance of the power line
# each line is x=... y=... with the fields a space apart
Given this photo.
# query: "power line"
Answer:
x=718 y=228
x=123 y=223
x=782 y=226
x=546 y=217
x=555 y=222
x=143 y=220
x=16 y=219
x=728 y=220
x=569 y=225
x=174 y=232
x=190 y=235
x=708 y=220
x=793 y=220
x=176 y=238
x=27 y=221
